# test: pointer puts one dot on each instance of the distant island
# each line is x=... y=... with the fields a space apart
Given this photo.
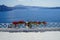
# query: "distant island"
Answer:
x=6 y=8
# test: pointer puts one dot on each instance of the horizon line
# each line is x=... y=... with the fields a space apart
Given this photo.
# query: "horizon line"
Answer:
x=30 y=5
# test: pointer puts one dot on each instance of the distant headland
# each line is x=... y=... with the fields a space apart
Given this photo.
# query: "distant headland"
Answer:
x=6 y=8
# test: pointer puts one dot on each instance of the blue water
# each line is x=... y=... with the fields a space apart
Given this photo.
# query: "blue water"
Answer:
x=48 y=15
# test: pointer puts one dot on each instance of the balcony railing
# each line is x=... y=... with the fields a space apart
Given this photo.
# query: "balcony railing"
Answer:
x=10 y=27
x=48 y=25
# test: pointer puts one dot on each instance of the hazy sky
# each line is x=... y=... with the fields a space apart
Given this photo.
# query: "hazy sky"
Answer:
x=46 y=3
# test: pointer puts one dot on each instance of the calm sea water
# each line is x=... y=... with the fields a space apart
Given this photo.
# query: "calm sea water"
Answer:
x=49 y=15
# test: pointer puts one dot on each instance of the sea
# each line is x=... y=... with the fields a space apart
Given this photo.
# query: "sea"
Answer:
x=48 y=15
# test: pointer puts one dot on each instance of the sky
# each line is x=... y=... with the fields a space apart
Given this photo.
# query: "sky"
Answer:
x=44 y=3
